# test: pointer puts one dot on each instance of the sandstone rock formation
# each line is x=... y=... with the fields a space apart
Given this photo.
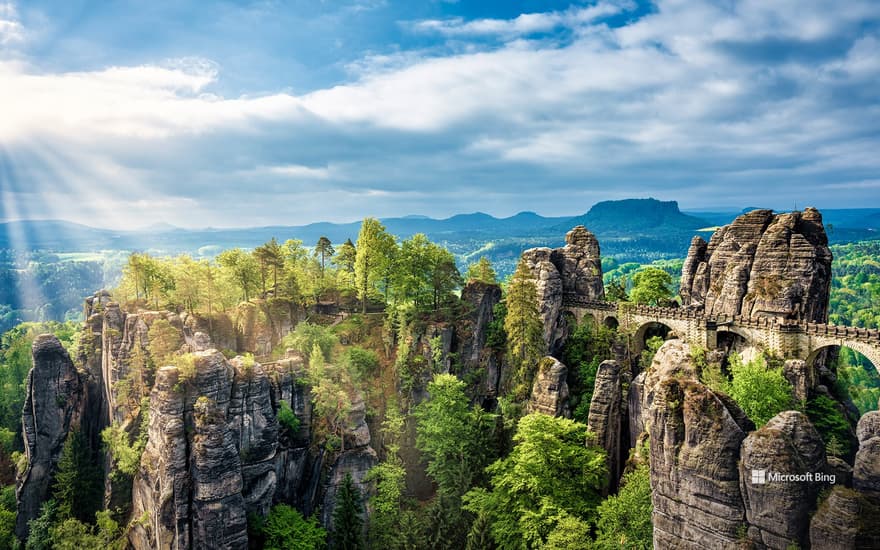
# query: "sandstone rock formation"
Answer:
x=54 y=406
x=608 y=419
x=695 y=444
x=762 y=264
x=550 y=389
x=866 y=470
x=471 y=333
x=845 y=520
x=572 y=272
x=778 y=513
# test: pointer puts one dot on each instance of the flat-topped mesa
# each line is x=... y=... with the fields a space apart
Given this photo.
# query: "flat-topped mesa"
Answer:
x=573 y=272
x=761 y=265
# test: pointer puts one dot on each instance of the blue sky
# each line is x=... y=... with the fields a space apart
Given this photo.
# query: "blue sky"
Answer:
x=130 y=113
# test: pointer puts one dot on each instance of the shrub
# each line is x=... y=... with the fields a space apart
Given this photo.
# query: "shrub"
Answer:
x=625 y=518
x=287 y=529
x=760 y=391
x=287 y=419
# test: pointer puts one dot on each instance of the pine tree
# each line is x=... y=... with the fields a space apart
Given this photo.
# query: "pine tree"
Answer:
x=324 y=249
x=482 y=271
x=347 y=521
x=525 y=339
x=78 y=490
x=373 y=260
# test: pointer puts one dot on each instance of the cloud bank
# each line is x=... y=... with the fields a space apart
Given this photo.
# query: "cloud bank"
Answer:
x=709 y=103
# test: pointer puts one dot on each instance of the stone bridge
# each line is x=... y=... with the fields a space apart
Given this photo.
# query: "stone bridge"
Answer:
x=789 y=339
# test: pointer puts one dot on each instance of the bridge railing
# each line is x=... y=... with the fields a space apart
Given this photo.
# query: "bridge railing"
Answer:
x=767 y=323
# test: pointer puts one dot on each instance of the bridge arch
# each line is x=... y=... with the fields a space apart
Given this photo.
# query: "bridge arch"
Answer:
x=648 y=330
x=868 y=352
x=611 y=322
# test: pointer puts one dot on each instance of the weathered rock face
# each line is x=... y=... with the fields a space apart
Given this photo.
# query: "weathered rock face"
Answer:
x=209 y=458
x=695 y=444
x=356 y=462
x=866 y=470
x=800 y=376
x=54 y=406
x=580 y=265
x=608 y=419
x=549 y=285
x=261 y=325
x=778 y=512
x=219 y=518
x=471 y=333
x=845 y=520
x=253 y=426
x=762 y=264
x=550 y=389
x=573 y=271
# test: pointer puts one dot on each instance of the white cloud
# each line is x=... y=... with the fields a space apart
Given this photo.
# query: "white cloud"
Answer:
x=526 y=23
x=693 y=94
x=11 y=30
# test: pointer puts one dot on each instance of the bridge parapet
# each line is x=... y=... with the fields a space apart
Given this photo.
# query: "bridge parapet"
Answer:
x=856 y=333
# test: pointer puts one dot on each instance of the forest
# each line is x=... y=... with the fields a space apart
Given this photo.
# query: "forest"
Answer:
x=500 y=475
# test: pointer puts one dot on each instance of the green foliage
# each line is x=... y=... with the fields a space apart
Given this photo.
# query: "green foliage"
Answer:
x=424 y=274
x=570 y=533
x=8 y=510
x=761 y=391
x=625 y=518
x=615 y=291
x=651 y=286
x=452 y=435
x=373 y=261
x=584 y=350
x=855 y=285
x=496 y=337
x=386 y=503
x=482 y=271
x=306 y=337
x=72 y=534
x=524 y=329
x=347 y=521
x=286 y=529
x=40 y=528
x=186 y=367
x=287 y=419
x=652 y=344
x=831 y=423
x=549 y=475
x=126 y=455
x=164 y=340
x=241 y=269
x=361 y=364
x=455 y=439
x=859 y=379
x=78 y=488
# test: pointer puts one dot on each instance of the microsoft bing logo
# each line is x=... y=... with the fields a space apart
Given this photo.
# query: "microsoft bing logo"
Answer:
x=759 y=477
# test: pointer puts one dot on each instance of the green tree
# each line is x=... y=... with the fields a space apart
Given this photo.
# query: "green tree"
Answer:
x=482 y=271
x=524 y=329
x=78 y=487
x=241 y=269
x=761 y=391
x=286 y=529
x=345 y=259
x=306 y=336
x=270 y=257
x=625 y=518
x=373 y=260
x=615 y=290
x=549 y=475
x=164 y=340
x=456 y=440
x=452 y=435
x=651 y=286
x=583 y=351
x=324 y=250
x=348 y=524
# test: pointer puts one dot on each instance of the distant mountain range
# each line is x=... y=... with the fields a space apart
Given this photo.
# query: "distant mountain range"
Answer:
x=631 y=229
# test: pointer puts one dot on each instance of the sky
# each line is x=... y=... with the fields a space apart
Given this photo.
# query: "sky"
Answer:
x=128 y=113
